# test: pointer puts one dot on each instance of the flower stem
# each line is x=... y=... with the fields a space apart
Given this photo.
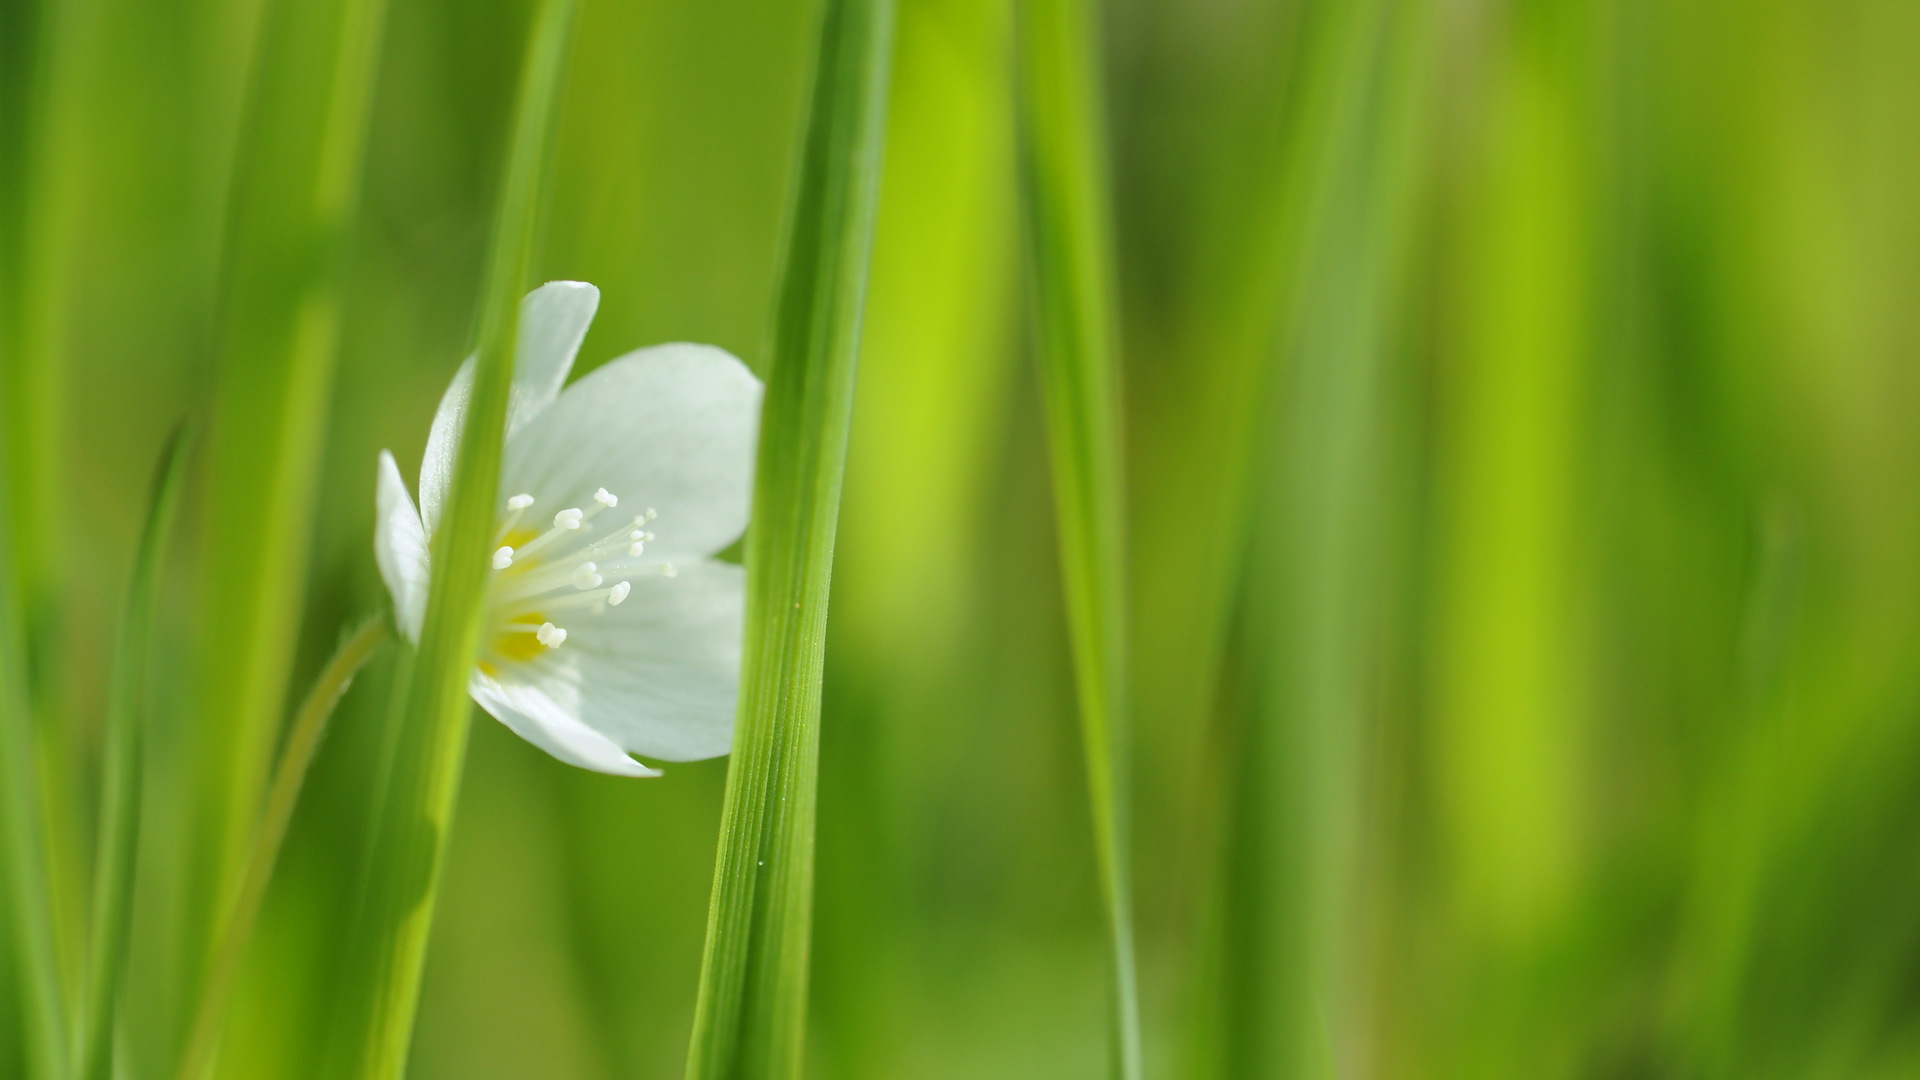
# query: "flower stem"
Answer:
x=303 y=741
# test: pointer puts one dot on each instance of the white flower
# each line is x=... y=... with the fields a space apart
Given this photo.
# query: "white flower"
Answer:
x=609 y=627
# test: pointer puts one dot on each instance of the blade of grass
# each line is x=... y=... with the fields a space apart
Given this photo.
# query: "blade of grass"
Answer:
x=423 y=771
x=303 y=741
x=1295 y=989
x=1068 y=214
x=23 y=853
x=120 y=782
x=750 y=1019
x=296 y=184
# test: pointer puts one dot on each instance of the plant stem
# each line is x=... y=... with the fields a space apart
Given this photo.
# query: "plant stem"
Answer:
x=750 y=1020
x=236 y=929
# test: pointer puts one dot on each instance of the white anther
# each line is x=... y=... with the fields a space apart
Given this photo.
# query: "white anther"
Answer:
x=568 y=518
x=619 y=593
x=667 y=569
x=637 y=534
x=650 y=514
x=550 y=635
x=636 y=549
x=519 y=502
x=586 y=576
x=503 y=558
x=606 y=498
x=650 y=536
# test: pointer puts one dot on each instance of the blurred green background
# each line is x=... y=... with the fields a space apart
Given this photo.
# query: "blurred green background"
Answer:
x=1524 y=396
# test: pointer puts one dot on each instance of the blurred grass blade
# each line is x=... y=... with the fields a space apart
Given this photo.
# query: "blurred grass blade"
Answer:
x=1295 y=982
x=423 y=772
x=303 y=741
x=120 y=782
x=750 y=1020
x=23 y=855
x=1069 y=230
x=296 y=182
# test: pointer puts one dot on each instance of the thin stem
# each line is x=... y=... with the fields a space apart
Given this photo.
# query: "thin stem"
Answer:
x=283 y=793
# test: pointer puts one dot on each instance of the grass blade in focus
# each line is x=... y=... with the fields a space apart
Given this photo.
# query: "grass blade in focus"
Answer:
x=1069 y=231
x=120 y=786
x=750 y=1020
x=388 y=953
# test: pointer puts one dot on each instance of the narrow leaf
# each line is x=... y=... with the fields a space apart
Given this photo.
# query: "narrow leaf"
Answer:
x=750 y=1019
x=423 y=773
x=296 y=181
x=120 y=784
x=1069 y=233
x=23 y=855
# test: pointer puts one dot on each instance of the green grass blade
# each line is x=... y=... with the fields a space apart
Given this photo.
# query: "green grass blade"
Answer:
x=296 y=181
x=1069 y=231
x=23 y=855
x=303 y=742
x=749 y=1022
x=423 y=775
x=120 y=785
x=1294 y=974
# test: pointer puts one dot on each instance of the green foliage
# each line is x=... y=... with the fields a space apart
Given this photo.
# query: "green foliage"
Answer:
x=129 y=713
x=1511 y=450
x=422 y=773
x=1064 y=193
x=750 y=1020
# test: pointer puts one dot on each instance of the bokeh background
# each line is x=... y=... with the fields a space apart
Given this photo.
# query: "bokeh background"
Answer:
x=1526 y=393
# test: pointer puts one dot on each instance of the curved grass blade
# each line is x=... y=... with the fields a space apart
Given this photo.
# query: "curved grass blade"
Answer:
x=1069 y=234
x=750 y=1020
x=120 y=786
x=303 y=742
x=388 y=952
x=23 y=855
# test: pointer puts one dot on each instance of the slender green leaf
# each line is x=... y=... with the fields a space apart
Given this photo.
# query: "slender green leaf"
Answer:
x=1293 y=977
x=303 y=741
x=750 y=1020
x=1069 y=231
x=23 y=854
x=120 y=782
x=430 y=728
x=296 y=184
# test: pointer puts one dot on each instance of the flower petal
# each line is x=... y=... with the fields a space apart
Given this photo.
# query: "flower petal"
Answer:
x=671 y=427
x=400 y=547
x=553 y=321
x=537 y=717
x=660 y=673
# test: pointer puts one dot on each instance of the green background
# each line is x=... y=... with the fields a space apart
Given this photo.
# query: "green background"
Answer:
x=1625 y=644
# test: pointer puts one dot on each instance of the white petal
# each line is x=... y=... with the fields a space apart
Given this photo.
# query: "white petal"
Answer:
x=553 y=321
x=400 y=547
x=660 y=673
x=536 y=716
x=671 y=427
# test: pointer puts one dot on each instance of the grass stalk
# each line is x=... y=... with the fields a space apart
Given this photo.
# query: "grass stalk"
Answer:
x=23 y=854
x=1069 y=227
x=388 y=952
x=120 y=787
x=296 y=184
x=290 y=774
x=1294 y=976
x=750 y=1018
